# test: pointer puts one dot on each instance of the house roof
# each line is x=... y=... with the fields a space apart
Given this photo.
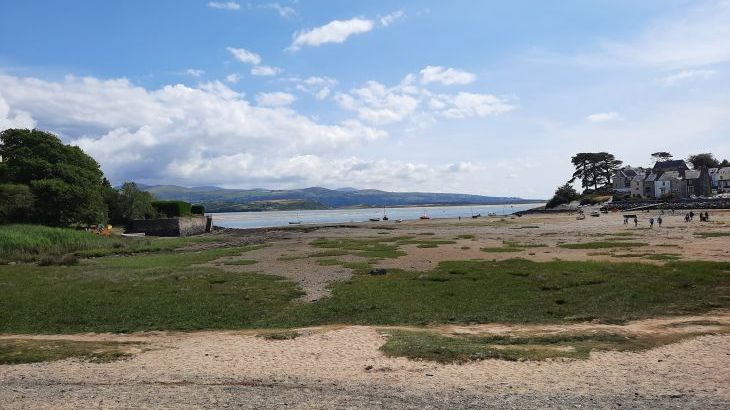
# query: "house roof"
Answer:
x=652 y=177
x=669 y=175
x=673 y=165
x=692 y=174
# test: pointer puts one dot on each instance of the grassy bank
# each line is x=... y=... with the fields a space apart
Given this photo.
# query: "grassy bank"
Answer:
x=170 y=291
x=26 y=243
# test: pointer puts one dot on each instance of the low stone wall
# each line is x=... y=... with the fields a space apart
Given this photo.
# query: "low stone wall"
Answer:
x=185 y=226
x=721 y=203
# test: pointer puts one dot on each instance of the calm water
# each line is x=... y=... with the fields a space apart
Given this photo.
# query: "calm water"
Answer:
x=282 y=218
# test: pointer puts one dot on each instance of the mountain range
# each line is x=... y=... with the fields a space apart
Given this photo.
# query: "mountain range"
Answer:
x=217 y=199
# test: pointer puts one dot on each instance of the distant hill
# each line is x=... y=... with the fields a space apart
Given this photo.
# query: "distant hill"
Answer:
x=228 y=200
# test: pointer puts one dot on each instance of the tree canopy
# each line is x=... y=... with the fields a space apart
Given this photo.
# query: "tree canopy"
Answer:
x=661 y=156
x=594 y=169
x=703 y=160
x=563 y=195
x=66 y=185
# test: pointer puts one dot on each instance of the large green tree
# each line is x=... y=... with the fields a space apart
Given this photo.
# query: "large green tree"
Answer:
x=703 y=160
x=129 y=202
x=594 y=169
x=563 y=195
x=661 y=156
x=66 y=184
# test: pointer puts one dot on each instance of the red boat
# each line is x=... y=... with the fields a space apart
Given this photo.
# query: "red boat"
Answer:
x=425 y=216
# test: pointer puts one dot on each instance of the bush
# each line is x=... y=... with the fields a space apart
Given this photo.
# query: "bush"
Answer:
x=172 y=209
x=197 y=210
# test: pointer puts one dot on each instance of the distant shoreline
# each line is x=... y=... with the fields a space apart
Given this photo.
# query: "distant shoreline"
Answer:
x=523 y=202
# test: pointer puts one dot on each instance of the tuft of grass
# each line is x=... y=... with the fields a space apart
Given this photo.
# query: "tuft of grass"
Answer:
x=502 y=249
x=240 y=262
x=465 y=236
x=602 y=245
x=429 y=346
x=328 y=253
x=279 y=334
x=712 y=234
x=18 y=351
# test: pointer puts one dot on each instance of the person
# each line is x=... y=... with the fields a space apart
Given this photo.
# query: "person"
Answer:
x=651 y=222
x=659 y=221
x=686 y=217
x=707 y=217
x=691 y=215
x=626 y=220
x=636 y=221
x=460 y=217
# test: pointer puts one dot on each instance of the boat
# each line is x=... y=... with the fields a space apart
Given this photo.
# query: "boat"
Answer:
x=374 y=219
x=424 y=216
x=398 y=220
x=385 y=216
x=476 y=216
x=492 y=214
x=295 y=222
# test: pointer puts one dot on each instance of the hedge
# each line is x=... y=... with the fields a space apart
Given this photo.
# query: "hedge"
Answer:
x=197 y=210
x=172 y=209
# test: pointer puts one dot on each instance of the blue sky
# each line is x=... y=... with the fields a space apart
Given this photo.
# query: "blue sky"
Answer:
x=466 y=96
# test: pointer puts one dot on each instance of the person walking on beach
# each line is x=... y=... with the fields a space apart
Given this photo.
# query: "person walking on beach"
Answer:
x=651 y=222
x=636 y=221
x=691 y=215
x=659 y=221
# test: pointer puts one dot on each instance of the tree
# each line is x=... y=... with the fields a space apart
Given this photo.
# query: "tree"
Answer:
x=661 y=156
x=563 y=195
x=594 y=169
x=703 y=160
x=67 y=184
x=129 y=202
x=725 y=163
x=16 y=202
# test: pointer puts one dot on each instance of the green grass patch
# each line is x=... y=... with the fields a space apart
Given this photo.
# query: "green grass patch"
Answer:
x=602 y=245
x=500 y=249
x=369 y=248
x=29 y=243
x=328 y=253
x=239 y=262
x=18 y=351
x=466 y=236
x=279 y=334
x=424 y=345
x=712 y=234
x=328 y=262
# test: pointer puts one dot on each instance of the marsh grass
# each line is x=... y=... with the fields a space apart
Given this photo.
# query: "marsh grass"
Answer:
x=28 y=243
x=429 y=346
x=602 y=245
x=712 y=234
x=18 y=351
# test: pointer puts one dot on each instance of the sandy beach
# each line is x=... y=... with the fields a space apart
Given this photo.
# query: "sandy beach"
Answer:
x=342 y=366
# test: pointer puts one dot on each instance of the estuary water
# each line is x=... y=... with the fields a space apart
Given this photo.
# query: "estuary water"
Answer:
x=332 y=216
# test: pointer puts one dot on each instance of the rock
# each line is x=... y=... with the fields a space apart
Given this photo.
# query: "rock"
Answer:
x=378 y=271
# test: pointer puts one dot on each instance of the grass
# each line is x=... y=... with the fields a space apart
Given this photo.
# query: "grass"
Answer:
x=240 y=262
x=369 y=248
x=279 y=334
x=602 y=245
x=17 y=351
x=172 y=291
x=712 y=234
x=424 y=345
x=500 y=249
x=28 y=243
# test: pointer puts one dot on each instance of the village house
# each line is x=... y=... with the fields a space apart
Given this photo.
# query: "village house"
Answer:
x=670 y=179
x=720 y=180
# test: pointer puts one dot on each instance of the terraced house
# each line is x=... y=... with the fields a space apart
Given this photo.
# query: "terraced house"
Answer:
x=670 y=179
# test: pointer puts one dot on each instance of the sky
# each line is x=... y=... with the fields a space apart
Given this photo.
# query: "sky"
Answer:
x=481 y=97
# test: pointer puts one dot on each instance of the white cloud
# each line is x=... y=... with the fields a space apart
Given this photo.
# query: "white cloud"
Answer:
x=284 y=11
x=233 y=78
x=262 y=70
x=692 y=37
x=275 y=99
x=319 y=87
x=688 y=75
x=603 y=117
x=194 y=72
x=336 y=31
x=18 y=119
x=244 y=56
x=389 y=19
x=230 y=5
x=445 y=76
x=160 y=135
x=378 y=104
x=465 y=105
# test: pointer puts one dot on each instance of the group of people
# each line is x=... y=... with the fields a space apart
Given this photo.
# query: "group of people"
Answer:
x=688 y=217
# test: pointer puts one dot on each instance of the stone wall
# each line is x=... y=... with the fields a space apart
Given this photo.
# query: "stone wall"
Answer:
x=184 y=226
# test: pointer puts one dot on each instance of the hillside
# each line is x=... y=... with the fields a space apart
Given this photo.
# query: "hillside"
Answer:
x=226 y=200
